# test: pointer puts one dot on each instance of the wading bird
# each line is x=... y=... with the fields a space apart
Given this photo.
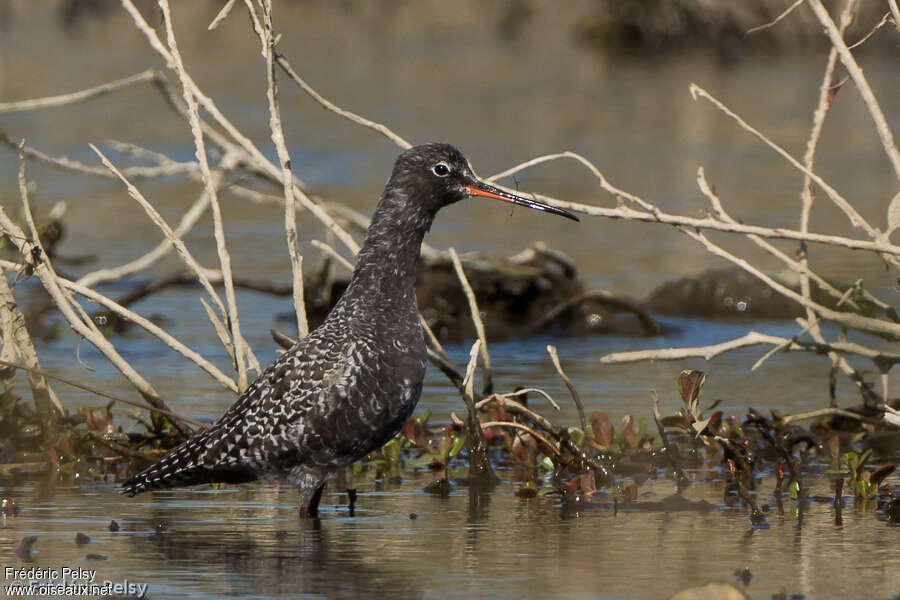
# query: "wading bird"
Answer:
x=348 y=387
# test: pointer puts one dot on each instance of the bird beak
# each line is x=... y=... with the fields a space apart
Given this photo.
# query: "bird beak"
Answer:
x=482 y=189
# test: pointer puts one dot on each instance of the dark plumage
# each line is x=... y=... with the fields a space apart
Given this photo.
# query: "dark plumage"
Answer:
x=348 y=387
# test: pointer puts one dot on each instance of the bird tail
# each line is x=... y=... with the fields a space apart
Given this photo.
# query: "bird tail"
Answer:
x=184 y=465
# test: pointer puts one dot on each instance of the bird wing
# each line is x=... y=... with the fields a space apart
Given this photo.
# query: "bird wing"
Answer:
x=255 y=433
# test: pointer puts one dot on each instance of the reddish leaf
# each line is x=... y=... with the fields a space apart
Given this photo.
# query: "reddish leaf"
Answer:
x=408 y=430
x=715 y=422
x=629 y=434
x=604 y=432
x=524 y=449
x=881 y=474
x=834 y=450
x=494 y=435
x=416 y=433
x=587 y=483
x=631 y=492
x=98 y=418
x=571 y=486
x=529 y=490
x=675 y=421
x=689 y=384
x=832 y=92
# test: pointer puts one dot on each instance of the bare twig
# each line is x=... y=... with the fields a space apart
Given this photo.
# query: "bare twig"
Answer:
x=234 y=324
x=187 y=257
x=102 y=394
x=433 y=341
x=707 y=352
x=479 y=464
x=855 y=218
x=330 y=251
x=17 y=347
x=378 y=127
x=856 y=73
x=829 y=412
x=652 y=214
x=188 y=220
x=826 y=96
x=148 y=75
x=476 y=319
x=43 y=270
x=895 y=12
x=670 y=450
x=863 y=39
x=853 y=320
x=554 y=356
x=254 y=158
x=794 y=265
x=222 y=15
x=772 y=23
x=523 y=391
x=560 y=433
x=140 y=171
x=267 y=41
x=535 y=434
x=579 y=159
x=150 y=327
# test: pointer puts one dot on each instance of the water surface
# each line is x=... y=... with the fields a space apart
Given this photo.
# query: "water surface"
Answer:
x=433 y=74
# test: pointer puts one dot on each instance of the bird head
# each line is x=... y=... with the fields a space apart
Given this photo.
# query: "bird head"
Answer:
x=441 y=175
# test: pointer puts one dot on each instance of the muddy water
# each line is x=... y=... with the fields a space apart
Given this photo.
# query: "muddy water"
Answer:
x=434 y=74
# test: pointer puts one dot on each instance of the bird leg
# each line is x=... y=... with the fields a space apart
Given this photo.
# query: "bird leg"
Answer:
x=351 y=500
x=309 y=508
x=310 y=483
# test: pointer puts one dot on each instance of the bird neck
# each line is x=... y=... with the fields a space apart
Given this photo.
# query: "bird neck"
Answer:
x=387 y=262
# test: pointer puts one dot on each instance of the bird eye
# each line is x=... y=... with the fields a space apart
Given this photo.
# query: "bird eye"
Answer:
x=441 y=169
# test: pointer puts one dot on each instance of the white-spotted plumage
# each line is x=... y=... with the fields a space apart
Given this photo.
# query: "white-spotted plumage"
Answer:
x=348 y=387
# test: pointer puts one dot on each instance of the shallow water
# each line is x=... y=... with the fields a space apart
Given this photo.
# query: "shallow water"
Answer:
x=404 y=543
x=435 y=75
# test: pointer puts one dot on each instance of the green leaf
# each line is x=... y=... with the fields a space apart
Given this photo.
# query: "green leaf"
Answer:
x=576 y=435
x=795 y=490
x=459 y=441
x=422 y=419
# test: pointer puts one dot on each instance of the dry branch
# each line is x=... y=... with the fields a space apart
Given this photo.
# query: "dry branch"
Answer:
x=652 y=214
x=862 y=84
x=351 y=116
x=554 y=356
x=480 y=469
x=826 y=96
x=476 y=319
x=17 y=348
x=267 y=40
x=149 y=327
x=44 y=271
x=254 y=159
x=73 y=97
x=39 y=373
x=234 y=324
x=852 y=320
x=775 y=21
x=842 y=203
